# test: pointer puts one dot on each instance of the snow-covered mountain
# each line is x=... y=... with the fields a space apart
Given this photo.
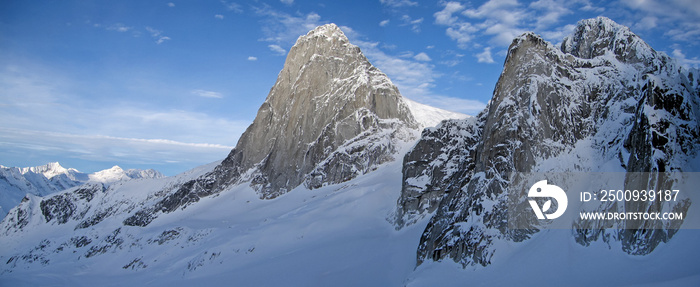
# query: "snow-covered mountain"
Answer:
x=335 y=184
x=603 y=102
x=331 y=123
x=16 y=182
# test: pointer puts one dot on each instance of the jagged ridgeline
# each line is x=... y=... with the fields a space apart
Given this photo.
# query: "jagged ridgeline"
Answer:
x=604 y=101
x=330 y=117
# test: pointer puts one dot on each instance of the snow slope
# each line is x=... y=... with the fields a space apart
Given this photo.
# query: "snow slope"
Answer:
x=336 y=235
x=428 y=116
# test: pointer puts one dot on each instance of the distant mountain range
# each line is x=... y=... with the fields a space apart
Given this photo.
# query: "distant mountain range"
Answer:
x=16 y=182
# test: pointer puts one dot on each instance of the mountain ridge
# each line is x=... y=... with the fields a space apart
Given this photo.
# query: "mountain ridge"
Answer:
x=599 y=114
x=16 y=182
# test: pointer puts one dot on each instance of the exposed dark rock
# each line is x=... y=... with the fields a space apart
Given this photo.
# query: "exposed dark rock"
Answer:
x=546 y=101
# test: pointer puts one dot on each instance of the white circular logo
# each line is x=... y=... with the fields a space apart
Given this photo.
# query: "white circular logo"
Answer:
x=542 y=189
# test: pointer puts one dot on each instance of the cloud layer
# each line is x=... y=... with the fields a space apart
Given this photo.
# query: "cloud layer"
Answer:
x=42 y=115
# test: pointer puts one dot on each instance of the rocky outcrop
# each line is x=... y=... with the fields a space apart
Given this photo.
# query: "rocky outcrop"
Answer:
x=435 y=166
x=58 y=209
x=605 y=90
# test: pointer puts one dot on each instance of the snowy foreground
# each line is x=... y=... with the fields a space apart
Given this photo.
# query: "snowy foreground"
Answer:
x=337 y=235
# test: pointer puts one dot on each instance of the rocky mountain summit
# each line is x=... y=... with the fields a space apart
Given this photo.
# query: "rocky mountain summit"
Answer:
x=324 y=120
x=604 y=101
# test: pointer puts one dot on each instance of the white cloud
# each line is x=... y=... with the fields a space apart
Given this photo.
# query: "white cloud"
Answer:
x=207 y=94
x=154 y=33
x=349 y=32
x=508 y=12
x=162 y=39
x=219 y=16
x=503 y=34
x=171 y=4
x=485 y=56
x=423 y=57
x=588 y=7
x=646 y=23
x=169 y=154
x=232 y=6
x=680 y=18
x=119 y=27
x=553 y=11
x=288 y=2
x=398 y=3
x=413 y=78
x=277 y=49
x=462 y=33
x=157 y=35
x=503 y=20
x=680 y=56
x=558 y=34
x=414 y=23
x=45 y=113
x=384 y=23
x=283 y=29
x=445 y=17
x=252 y=58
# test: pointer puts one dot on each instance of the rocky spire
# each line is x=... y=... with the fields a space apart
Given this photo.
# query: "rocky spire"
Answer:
x=327 y=94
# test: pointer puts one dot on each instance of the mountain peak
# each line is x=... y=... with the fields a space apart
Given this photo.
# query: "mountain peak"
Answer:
x=116 y=168
x=599 y=36
x=49 y=170
x=329 y=31
x=324 y=35
x=326 y=94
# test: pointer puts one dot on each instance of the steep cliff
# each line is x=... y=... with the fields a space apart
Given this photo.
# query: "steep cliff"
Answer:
x=604 y=97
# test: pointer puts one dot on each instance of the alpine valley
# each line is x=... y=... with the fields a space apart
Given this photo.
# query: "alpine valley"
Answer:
x=340 y=181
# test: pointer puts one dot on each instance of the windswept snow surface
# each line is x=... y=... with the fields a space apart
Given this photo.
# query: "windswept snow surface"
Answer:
x=552 y=258
x=428 y=116
x=337 y=235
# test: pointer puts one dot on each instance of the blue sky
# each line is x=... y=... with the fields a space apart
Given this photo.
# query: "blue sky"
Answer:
x=171 y=85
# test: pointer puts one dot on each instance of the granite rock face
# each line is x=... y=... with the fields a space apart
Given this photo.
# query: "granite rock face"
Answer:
x=326 y=95
x=604 y=96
